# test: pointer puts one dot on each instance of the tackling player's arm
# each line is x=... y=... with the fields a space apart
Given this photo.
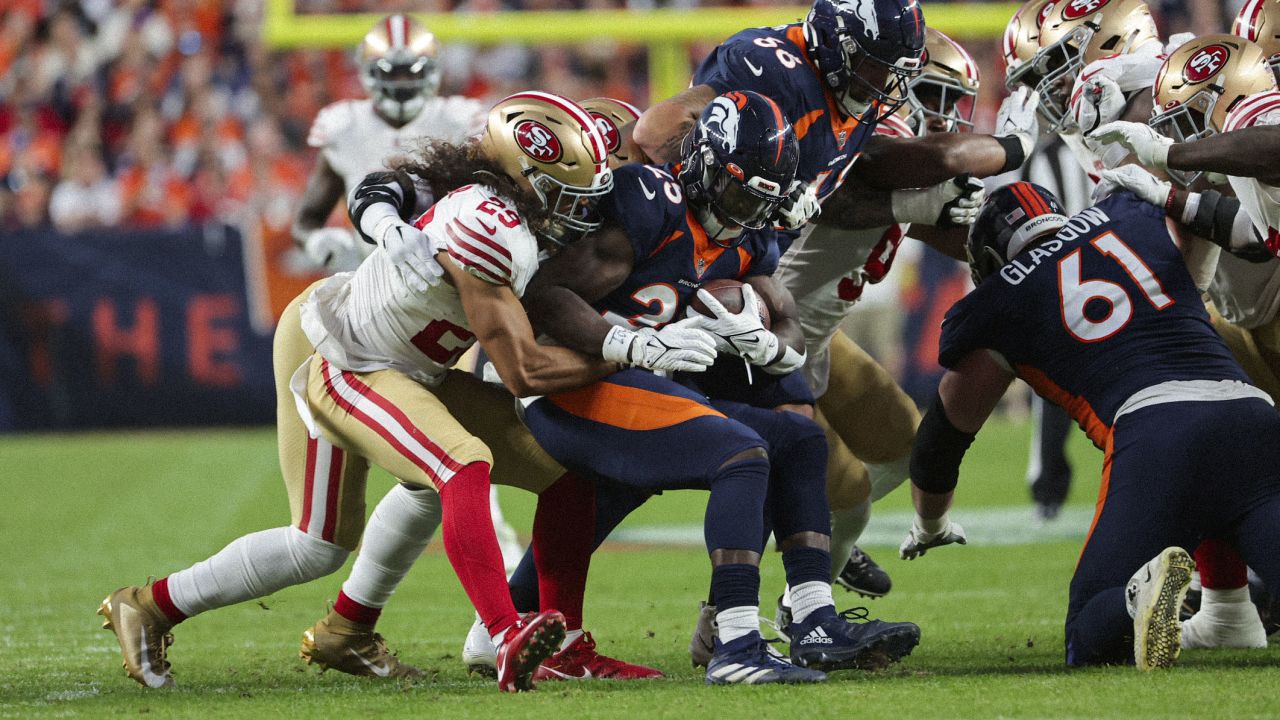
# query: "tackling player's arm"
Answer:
x=893 y=163
x=948 y=241
x=324 y=188
x=559 y=297
x=661 y=129
x=499 y=322
x=1249 y=152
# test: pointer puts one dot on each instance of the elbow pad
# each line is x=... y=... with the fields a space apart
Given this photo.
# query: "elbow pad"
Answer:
x=938 y=450
x=381 y=194
x=1220 y=220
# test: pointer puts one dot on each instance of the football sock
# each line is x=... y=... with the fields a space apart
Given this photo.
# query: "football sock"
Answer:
x=1221 y=567
x=736 y=588
x=735 y=622
x=354 y=611
x=797 y=499
x=846 y=528
x=563 y=527
x=570 y=637
x=1215 y=602
x=508 y=541
x=886 y=477
x=807 y=597
x=472 y=547
x=253 y=566
x=399 y=530
x=160 y=594
x=735 y=510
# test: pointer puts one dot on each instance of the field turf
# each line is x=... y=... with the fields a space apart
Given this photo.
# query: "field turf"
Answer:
x=86 y=513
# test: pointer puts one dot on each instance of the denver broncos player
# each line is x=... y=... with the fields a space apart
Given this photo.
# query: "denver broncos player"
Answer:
x=1216 y=98
x=1134 y=358
x=671 y=234
x=363 y=376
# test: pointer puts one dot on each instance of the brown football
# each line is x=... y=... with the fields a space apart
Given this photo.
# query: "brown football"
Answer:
x=729 y=293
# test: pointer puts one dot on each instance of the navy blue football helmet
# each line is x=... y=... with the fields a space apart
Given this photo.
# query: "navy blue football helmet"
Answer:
x=867 y=51
x=737 y=164
x=1011 y=217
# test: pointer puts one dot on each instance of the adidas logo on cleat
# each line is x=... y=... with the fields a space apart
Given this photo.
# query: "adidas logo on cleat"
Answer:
x=816 y=636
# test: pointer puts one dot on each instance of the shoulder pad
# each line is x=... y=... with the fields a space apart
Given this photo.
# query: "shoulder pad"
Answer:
x=1258 y=109
x=330 y=122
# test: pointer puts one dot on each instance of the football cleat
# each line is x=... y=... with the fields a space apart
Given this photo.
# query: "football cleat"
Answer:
x=782 y=619
x=353 y=648
x=478 y=652
x=143 y=632
x=748 y=660
x=1153 y=598
x=580 y=661
x=525 y=645
x=862 y=575
x=703 y=643
x=830 y=641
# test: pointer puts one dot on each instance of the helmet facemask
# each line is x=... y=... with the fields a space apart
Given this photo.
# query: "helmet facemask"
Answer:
x=572 y=208
x=1057 y=66
x=859 y=94
x=931 y=96
x=400 y=83
x=1186 y=123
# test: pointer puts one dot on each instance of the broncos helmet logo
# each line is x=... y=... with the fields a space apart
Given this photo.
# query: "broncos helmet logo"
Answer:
x=724 y=116
x=865 y=11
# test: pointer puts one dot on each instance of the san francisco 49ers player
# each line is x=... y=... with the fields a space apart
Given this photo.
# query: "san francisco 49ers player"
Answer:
x=363 y=377
x=1217 y=108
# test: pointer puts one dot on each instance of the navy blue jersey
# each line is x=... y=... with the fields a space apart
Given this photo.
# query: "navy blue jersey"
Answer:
x=774 y=62
x=1104 y=309
x=673 y=255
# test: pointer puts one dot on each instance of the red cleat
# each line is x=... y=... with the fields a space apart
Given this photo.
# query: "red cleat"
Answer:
x=526 y=644
x=580 y=661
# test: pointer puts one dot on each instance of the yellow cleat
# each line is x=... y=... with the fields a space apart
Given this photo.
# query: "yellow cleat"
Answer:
x=143 y=632
x=353 y=648
x=1154 y=598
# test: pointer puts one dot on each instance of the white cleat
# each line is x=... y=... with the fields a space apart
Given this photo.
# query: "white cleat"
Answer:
x=478 y=652
x=1154 y=598
x=1224 y=625
x=703 y=643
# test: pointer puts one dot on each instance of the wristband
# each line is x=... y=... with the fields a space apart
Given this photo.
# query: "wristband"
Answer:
x=1190 y=208
x=787 y=362
x=1014 y=153
x=617 y=345
x=1168 y=201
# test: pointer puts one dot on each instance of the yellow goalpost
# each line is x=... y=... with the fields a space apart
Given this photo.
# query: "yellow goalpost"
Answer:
x=666 y=32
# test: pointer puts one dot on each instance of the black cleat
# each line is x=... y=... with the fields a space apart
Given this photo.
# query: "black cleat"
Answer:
x=862 y=575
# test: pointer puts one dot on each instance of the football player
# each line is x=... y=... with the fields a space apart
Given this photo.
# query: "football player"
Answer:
x=363 y=376
x=1136 y=361
x=1218 y=92
x=673 y=234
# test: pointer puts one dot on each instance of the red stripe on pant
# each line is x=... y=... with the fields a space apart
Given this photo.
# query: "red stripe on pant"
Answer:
x=308 y=485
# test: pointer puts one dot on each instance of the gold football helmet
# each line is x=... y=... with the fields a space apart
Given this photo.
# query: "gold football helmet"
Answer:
x=1199 y=84
x=1077 y=32
x=1022 y=42
x=610 y=115
x=1259 y=21
x=940 y=98
x=552 y=146
x=399 y=67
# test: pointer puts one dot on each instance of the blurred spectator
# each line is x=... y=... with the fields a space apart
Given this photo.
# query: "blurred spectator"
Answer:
x=86 y=197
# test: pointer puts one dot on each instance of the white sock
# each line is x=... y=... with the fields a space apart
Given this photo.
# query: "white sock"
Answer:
x=786 y=595
x=569 y=637
x=398 y=531
x=1216 y=603
x=846 y=528
x=254 y=566
x=735 y=622
x=886 y=477
x=807 y=597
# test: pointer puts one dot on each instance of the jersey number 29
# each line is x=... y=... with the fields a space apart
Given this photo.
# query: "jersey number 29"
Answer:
x=1075 y=292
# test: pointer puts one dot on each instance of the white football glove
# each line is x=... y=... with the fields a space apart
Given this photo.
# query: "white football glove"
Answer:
x=1177 y=40
x=1133 y=178
x=919 y=541
x=676 y=347
x=1095 y=102
x=800 y=207
x=952 y=203
x=411 y=252
x=742 y=333
x=334 y=248
x=1150 y=147
x=1018 y=117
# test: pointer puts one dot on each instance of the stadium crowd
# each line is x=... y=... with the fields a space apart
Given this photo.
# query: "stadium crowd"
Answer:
x=153 y=113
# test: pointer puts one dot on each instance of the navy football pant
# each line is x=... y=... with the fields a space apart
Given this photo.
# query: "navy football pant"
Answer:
x=1175 y=473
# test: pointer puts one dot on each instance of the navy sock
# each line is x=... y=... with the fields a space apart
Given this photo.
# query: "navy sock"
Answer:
x=735 y=586
x=735 y=511
x=798 y=480
x=806 y=564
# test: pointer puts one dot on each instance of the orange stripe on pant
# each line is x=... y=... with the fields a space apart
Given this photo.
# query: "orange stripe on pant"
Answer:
x=630 y=408
x=1076 y=406
x=1108 y=449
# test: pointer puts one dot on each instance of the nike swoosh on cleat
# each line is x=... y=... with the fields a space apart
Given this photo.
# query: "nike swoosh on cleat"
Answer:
x=754 y=70
x=586 y=674
x=379 y=670
x=149 y=677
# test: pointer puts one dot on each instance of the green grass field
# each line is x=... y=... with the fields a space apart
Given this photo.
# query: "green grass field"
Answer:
x=86 y=513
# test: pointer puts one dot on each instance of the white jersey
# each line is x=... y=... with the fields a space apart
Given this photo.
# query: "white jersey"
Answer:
x=826 y=269
x=370 y=319
x=356 y=141
x=1248 y=294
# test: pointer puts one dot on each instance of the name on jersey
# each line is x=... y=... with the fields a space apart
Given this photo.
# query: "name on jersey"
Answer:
x=1019 y=268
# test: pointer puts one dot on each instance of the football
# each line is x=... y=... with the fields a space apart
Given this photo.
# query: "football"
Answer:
x=729 y=293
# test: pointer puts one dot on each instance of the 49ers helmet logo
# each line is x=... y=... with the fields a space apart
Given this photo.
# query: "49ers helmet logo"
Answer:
x=1077 y=9
x=609 y=131
x=1044 y=14
x=1206 y=63
x=538 y=142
